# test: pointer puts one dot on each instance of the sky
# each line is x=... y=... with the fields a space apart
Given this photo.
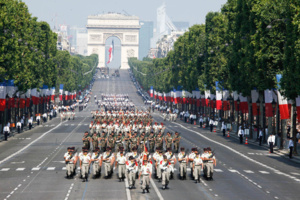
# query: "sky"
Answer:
x=75 y=12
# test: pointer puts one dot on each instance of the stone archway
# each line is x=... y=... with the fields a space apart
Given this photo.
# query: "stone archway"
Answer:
x=126 y=28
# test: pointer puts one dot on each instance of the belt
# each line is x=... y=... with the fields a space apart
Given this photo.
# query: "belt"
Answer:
x=205 y=161
x=85 y=163
x=145 y=174
x=121 y=164
x=197 y=165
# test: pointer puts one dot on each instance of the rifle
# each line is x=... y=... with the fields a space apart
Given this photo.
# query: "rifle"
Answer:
x=96 y=157
x=212 y=154
x=73 y=153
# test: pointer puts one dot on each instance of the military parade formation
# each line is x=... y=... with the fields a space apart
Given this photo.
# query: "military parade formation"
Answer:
x=127 y=140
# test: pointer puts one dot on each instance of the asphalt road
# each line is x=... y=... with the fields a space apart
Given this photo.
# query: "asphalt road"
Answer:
x=32 y=166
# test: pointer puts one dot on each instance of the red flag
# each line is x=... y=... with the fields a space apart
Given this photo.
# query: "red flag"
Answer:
x=283 y=106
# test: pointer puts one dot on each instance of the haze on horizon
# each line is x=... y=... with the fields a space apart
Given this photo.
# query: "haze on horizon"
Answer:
x=75 y=12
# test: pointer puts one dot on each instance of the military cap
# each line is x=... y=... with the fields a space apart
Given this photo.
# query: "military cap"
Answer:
x=131 y=157
x=182 y=148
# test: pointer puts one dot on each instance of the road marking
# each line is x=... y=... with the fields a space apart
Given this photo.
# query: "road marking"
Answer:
x=127 y=188
x=249 y=171
x=4 y=169
x=42 y=162
x=232 y=170
x=218 y=170
x=20 y=169
x=51 y=168
x=294 y=173
x=18 y=162
x=35 y=169
x=69 y=191
x=46 y=125
x=28 y=145
x=156 y=189
x=72 y=124
x=251 y=153
x=236 y=152
x=264 y=172
x=64 y=168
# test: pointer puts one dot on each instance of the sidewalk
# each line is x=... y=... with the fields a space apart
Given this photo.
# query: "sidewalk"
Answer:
x=282 y=152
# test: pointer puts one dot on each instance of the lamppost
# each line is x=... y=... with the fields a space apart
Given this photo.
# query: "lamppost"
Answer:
x=208 y=107
x=258 y=105
x=238 y=101
x=214 y=104
x=273 y=107
x=230 y=99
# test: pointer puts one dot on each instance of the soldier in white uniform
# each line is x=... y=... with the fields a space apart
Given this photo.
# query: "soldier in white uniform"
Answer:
x=38 y=119
x=146 y=171
x=159 y=158
x=85 y=161
x=197 y=166
x=96 y=163
x=70 y=159
x=165 y=167
x=183 y=160
x=172 y=159
x=191 y=160
x=30 y=123
x=108 y=158
x=209 y=161
x=121 y=162
x=132 y=168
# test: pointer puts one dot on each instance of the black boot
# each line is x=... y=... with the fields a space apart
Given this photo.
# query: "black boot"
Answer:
x=143 y=191
x=120 y=179
x=147 y=190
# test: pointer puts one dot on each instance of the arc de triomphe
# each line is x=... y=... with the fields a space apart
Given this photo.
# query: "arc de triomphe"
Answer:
x=126 y=28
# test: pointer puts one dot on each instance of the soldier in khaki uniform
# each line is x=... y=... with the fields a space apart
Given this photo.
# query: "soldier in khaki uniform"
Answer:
x=108 y=159
x=86 y=140
x=119 y=141
x=95 y=141
x=151 y=140
x=159 y=141
x=103 y=141
x=111 y=141
x=169 y=140
x=127 y=141
x=176 y=140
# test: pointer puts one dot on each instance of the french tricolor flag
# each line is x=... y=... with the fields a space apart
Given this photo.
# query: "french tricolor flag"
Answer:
x=151 y=91
x=11 y=89
x=254 y=97
x=243 y=104
x=184 y=97
x=2 y=96
x=282 y=101
x=28 y=93
x=178 y=97
x=207 y=96
x=61 y=89
x=111 y=52
x=298 y=107
x=226 y=104
x=52 y=93
x=269 y=96
x=34 y=96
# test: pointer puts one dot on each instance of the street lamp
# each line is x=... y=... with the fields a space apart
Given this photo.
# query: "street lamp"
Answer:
x=208 y=104
x=273 y=107
x=230 y=99
x=258 y=105
x=214 y=103
x=238 y=101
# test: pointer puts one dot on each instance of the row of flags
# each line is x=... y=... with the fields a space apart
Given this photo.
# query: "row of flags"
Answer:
x=38 y=96
x=220 y=100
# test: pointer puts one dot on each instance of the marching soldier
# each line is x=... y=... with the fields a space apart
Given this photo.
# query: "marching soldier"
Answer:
x=201 y=121
x=172 y=160
x=119 y=141
x=146 y=171
x=120 y=162
x=70 y=160
x=176 y=141
x=86 y=140
x=38 y=119
x=111 y=141
x=85 y=161
x=209 y=161
x=169 y=140
x=159 y=141
x=191 y=160
x=96 y=162
x=151 y=140
x=197 y=167
x=127 y=141
x=108 y=159
x=95 y=141
x=183 y=160
x=134 y=141
x=132 y=168
x=165 y=170
x=103 y=141
x=159 y=158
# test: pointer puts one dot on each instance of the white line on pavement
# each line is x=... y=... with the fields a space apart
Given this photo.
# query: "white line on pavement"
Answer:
x=238 y=153
x=156 y=189
x=28 y=145
x=127 y=188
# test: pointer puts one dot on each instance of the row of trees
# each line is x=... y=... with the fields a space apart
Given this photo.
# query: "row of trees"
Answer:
x=29 y=56
x=242 y=47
